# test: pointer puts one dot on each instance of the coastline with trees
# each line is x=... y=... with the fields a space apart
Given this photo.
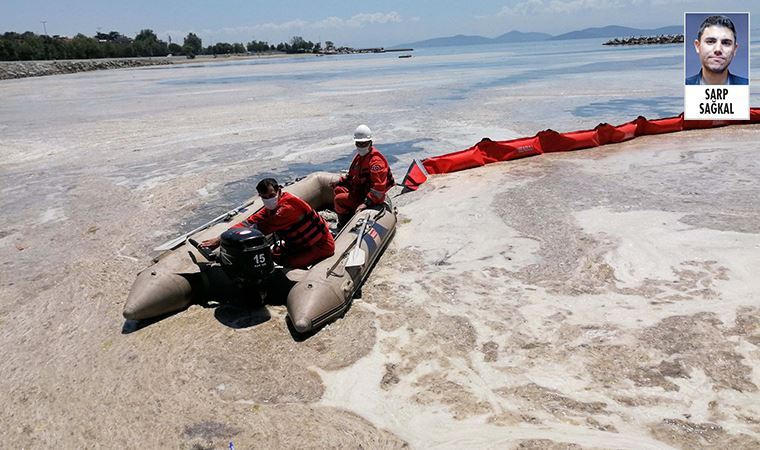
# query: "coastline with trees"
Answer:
x=29 y=54
x=29 y=46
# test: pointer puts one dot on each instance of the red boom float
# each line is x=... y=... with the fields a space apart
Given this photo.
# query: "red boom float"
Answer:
x=487 y=151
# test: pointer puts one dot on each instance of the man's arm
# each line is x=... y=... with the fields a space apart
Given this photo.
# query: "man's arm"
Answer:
x=378 y=176
x=286 y=215
x=252 y=221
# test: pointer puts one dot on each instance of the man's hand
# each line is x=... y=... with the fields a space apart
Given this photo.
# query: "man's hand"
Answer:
x=361 y=207
x=211 y=243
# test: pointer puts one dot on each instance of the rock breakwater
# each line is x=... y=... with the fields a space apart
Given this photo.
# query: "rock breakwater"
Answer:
x=647 y=40
x=24 y=69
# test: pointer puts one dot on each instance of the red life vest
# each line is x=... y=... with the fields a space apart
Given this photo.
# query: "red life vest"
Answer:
x=369 y=176
x=306 y=232
x=294 y=220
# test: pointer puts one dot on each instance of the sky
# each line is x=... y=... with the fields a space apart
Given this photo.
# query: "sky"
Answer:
x=357 y=23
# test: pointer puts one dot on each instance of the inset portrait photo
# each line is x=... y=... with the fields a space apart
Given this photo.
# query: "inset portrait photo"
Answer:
x=716 y=49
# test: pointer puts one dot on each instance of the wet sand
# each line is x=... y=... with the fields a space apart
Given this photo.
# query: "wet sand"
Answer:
x=605 y=298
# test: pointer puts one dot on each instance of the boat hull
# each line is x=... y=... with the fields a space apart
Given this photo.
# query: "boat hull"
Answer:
x=326 y=291
x=182 y=276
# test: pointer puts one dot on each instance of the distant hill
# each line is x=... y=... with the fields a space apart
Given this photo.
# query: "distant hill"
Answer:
x=449 y=41
x=519 y=36
x=461 y=39
x=617 y=31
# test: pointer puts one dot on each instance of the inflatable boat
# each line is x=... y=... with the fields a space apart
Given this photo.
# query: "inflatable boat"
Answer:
x=243 y=267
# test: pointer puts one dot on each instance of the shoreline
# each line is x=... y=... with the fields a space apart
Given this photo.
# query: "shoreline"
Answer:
x=10 y=70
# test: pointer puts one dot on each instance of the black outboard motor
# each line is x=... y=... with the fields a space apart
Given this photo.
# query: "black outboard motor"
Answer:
x=245 y=255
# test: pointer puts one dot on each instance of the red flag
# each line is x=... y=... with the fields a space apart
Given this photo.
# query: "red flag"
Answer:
x=415 y=176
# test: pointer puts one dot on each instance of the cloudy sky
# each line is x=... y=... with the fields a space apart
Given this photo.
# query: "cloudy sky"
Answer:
x=354 y=23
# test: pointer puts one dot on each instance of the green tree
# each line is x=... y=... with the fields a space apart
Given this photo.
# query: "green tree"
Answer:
x=83 y=47
x=297 y=42
x=115 y=36
x=146 y=43
x=192 y=45
x=59 y=48
x=223 y=48
x=257 y=46
x=7 y=49
x=25 y=46
x=299 y=45
x=146 y=35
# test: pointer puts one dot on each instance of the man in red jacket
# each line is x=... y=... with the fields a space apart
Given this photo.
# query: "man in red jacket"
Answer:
x=368 y=179
x=306 y=236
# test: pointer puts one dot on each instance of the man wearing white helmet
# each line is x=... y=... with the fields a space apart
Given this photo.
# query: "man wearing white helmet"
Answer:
x=367 y=181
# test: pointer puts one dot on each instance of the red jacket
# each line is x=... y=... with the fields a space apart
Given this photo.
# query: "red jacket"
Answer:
x=294 y=220
x=369 y=176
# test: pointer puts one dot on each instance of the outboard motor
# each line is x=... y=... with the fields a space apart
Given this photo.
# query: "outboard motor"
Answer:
x=245 y=255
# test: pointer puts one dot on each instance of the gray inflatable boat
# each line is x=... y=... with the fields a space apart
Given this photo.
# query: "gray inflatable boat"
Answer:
x=185 y=274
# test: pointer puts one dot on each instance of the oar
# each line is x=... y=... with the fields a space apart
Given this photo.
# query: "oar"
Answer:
x=357 y=256
x=351 y=246
x=174 y=243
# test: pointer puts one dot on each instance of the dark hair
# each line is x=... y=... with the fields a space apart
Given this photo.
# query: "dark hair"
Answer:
x=720 y=21
x=266 y=182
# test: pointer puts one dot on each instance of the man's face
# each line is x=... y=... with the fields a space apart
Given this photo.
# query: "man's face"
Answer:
x=269 y=193
x=716 y=48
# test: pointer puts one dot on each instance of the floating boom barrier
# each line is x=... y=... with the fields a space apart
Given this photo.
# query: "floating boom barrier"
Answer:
x=548 y=141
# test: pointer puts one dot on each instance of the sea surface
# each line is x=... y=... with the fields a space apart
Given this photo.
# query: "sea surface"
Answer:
x=482 y=67
x=646 y=81
x=287 y=117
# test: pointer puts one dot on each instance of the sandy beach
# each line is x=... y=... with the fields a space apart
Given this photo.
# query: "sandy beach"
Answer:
x=604 y=298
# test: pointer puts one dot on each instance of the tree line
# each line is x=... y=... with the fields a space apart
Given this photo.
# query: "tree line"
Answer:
x=30 y=46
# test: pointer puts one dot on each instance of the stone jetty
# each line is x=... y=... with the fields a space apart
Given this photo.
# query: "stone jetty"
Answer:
x=24 y=69
x=647 y=40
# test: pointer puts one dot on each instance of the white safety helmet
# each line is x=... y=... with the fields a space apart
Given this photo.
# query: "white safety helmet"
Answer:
x=362 y=134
